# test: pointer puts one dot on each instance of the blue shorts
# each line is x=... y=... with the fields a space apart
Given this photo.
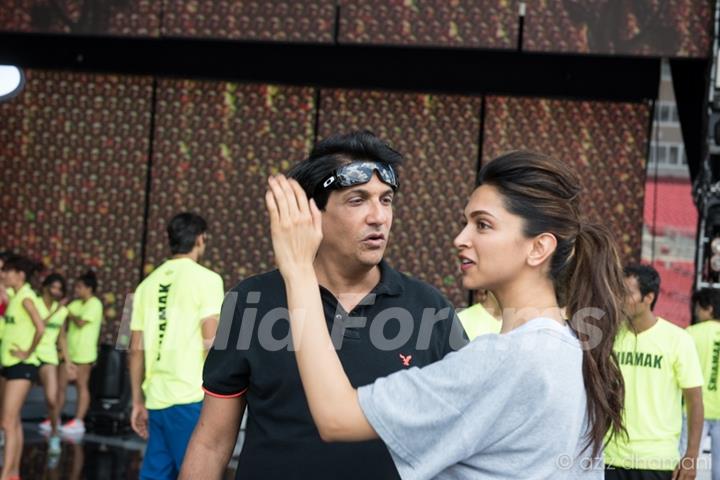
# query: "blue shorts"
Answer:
x=169 y=434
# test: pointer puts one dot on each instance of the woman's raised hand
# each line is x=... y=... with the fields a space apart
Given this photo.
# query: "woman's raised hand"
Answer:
x=295 y=225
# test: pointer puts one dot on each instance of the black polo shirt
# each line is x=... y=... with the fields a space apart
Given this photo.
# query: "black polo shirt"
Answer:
x=251 y=355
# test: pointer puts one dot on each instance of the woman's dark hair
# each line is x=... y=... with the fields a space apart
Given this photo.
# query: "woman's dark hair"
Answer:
x=55 y=277
x=89 y=279
x=648 y=280
x=5 y=254
x=183 y=230
x=585 y=269
x=708 y=297
x=20 y=263
x=338 y=150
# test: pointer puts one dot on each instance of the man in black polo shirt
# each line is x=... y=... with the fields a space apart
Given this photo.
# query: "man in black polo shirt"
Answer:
x=380 y=321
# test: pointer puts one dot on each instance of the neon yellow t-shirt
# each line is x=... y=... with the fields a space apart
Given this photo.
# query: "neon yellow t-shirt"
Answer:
x=168 y=307
x=476 y=321
x=47 y=351
x=707 y=341
x=656 y=365
x=83 y=341
x=19 y=328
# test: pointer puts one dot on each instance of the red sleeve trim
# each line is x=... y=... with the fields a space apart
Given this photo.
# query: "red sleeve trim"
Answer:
x=217 y=395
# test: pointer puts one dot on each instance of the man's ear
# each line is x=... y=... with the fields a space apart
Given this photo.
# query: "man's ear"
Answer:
x=543 y=246
x=649 y=298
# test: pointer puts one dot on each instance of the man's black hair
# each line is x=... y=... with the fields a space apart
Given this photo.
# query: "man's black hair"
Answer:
x=183 y=230
x=338 y=150
x=708 y=297
x=648 y=280
x=20 y=263
x=89 y=279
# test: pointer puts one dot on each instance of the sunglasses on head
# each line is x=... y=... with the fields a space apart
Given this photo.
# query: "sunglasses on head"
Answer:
x=358 y=173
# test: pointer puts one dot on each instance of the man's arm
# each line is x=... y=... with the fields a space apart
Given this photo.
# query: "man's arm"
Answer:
x=209 y=329
x=139 y=416
x=686 y=470
x=213 y=440
x=79 y=322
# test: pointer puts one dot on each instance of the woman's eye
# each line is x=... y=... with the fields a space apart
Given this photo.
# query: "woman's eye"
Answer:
x=482 y=226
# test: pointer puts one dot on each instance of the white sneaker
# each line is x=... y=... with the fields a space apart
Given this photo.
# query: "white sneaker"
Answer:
x=73 y=427
x=45 y=426
x=54 y=446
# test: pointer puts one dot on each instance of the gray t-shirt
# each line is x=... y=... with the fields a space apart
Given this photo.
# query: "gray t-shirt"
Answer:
x=506 y=406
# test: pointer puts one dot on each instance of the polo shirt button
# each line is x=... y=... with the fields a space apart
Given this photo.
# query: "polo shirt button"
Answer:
x=338 y=317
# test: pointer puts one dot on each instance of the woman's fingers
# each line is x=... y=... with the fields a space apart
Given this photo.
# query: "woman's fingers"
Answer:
x=302 y=201
x=291 y=195
x=316 y=216
x=280 y=199
x=272 y=208
x=290 y=199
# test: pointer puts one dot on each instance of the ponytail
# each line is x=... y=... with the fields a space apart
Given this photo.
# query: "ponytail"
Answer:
x=595 y=281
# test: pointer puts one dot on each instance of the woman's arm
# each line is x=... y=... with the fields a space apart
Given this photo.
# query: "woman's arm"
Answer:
x=37 y=320
x=296 y=235
x=79 y=322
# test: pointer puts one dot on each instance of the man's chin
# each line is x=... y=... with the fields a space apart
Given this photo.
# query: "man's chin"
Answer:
x=372 y=258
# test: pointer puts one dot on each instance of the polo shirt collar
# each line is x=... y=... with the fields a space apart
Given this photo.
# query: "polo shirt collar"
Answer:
x=390 y=281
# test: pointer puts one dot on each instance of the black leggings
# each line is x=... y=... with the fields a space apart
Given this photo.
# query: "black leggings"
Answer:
x=617 y=473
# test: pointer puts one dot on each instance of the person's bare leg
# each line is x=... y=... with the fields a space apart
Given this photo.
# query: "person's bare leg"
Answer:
x=61 y=391
x=83 y=387
x=13 y=398
x=49 y=379
x=2 y=392
x=19 y=434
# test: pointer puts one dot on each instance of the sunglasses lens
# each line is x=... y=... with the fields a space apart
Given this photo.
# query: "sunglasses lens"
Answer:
x=361 y=172
x=355 y=174
x=387 y=176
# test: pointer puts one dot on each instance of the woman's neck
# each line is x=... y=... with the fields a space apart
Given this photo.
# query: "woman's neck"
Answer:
x=522 y=301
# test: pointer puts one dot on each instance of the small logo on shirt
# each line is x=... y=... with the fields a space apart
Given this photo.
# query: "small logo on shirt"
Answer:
x=406 y=360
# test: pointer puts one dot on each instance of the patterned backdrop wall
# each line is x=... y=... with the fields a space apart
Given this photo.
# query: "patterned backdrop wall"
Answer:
x=605 y=142
x=669 y=28
x=82 y=17
x=73 y=156
x=675 y=28
x=215 y=145
x=438 y=136
x=465 y=23
x=277 y=20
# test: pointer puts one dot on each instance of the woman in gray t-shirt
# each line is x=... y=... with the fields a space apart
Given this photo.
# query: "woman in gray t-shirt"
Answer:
x=535 y=401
